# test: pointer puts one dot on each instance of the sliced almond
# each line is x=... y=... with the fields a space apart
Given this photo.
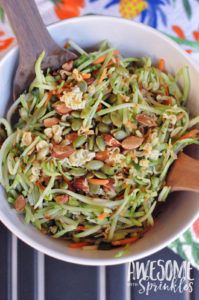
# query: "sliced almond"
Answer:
x=69 y=138
x=61 y=199
x=132 y=142
x=111 y=141
x=102 y=155
x=62 y=109
x=49 y=122
x=61 y=152
x=90 y=80
x=81 y=185
x=146 y=120
x=20 y=203
x=68 y=66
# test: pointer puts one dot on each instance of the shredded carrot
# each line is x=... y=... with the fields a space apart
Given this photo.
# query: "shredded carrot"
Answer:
x=98 y=181
x=103 y=215
x=99 y=107
x=82 y=228
x=161 y=64
x=126 y=241
x=113 y=61
x=78 y=245
x=49 y=97
x=48 y=217
x=102 y=76
x=190 y=134
x=178 y=31
x=146 y=229
x=86 y=76
x=102 y=58
x=180 y=116
x=66 y=45
x=168 y=102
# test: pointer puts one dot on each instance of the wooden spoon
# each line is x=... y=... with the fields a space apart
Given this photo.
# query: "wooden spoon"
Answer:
x=32 y=37
x=184 y=174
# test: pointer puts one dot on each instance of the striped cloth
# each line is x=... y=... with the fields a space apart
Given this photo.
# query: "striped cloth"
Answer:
x=178 y=18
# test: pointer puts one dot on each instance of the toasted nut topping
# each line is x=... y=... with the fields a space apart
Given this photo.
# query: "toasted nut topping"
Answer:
x=69 y=138
x=90 y=80
x=49 y=122
x=61 y=108
x=146 y=120
x=20 y=203
x=61 y=152
x=68 y=66
x=111 y=141
x=26 y=139
x=61 y=199
x=81 y=184
x=132 y=142
x=102 y=155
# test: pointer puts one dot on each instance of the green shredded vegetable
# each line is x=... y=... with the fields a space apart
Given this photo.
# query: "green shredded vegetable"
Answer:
x=88 y=157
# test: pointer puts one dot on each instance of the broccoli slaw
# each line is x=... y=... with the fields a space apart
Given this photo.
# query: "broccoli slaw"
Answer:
x=88 y=157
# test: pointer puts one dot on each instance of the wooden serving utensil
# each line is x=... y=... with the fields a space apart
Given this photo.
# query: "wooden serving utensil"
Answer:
x=32 y=37
x=184 y=174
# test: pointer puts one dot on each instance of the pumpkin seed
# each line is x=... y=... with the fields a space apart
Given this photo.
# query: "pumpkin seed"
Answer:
x=75 y=114
x=85 y=112
x=99 y=175
x=64 y=185
x=91 y=143
x=106 y=119
x=103 y=128
x=120 y=135
x=108 y=170
x=100 y=143
x=89 y=175
x=116 y=119
x=94 y=188
x=78 y=172
x=79 y=141
x=76 y=124
x=66 y=131
x=83 y=86
x=96 y=149
x=94 y=165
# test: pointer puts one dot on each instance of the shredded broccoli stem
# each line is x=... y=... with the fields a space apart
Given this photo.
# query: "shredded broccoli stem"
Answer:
x=69 y=155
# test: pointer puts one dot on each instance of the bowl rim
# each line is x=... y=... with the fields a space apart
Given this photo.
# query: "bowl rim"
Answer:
x=95 y=261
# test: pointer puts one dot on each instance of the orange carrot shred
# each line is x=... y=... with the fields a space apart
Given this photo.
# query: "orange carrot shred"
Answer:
x=78 y=245
x=98 y=181
x=86 y=76
x=49 y=97
x=161 y=64
x=189 y=134
x=82 y=228
x=126 y=241
x=103 y=215
x=180 y=116
x=102 y=76
x=102 y=58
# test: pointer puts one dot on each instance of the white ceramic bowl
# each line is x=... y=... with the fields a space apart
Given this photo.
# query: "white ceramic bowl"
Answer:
x=132 y=39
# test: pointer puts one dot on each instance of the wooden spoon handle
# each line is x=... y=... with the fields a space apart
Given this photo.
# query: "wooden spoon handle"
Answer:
x=29 y=29
x=184 y=174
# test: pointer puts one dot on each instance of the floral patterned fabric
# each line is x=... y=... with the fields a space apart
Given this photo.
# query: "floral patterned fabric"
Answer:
x=176 y=18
